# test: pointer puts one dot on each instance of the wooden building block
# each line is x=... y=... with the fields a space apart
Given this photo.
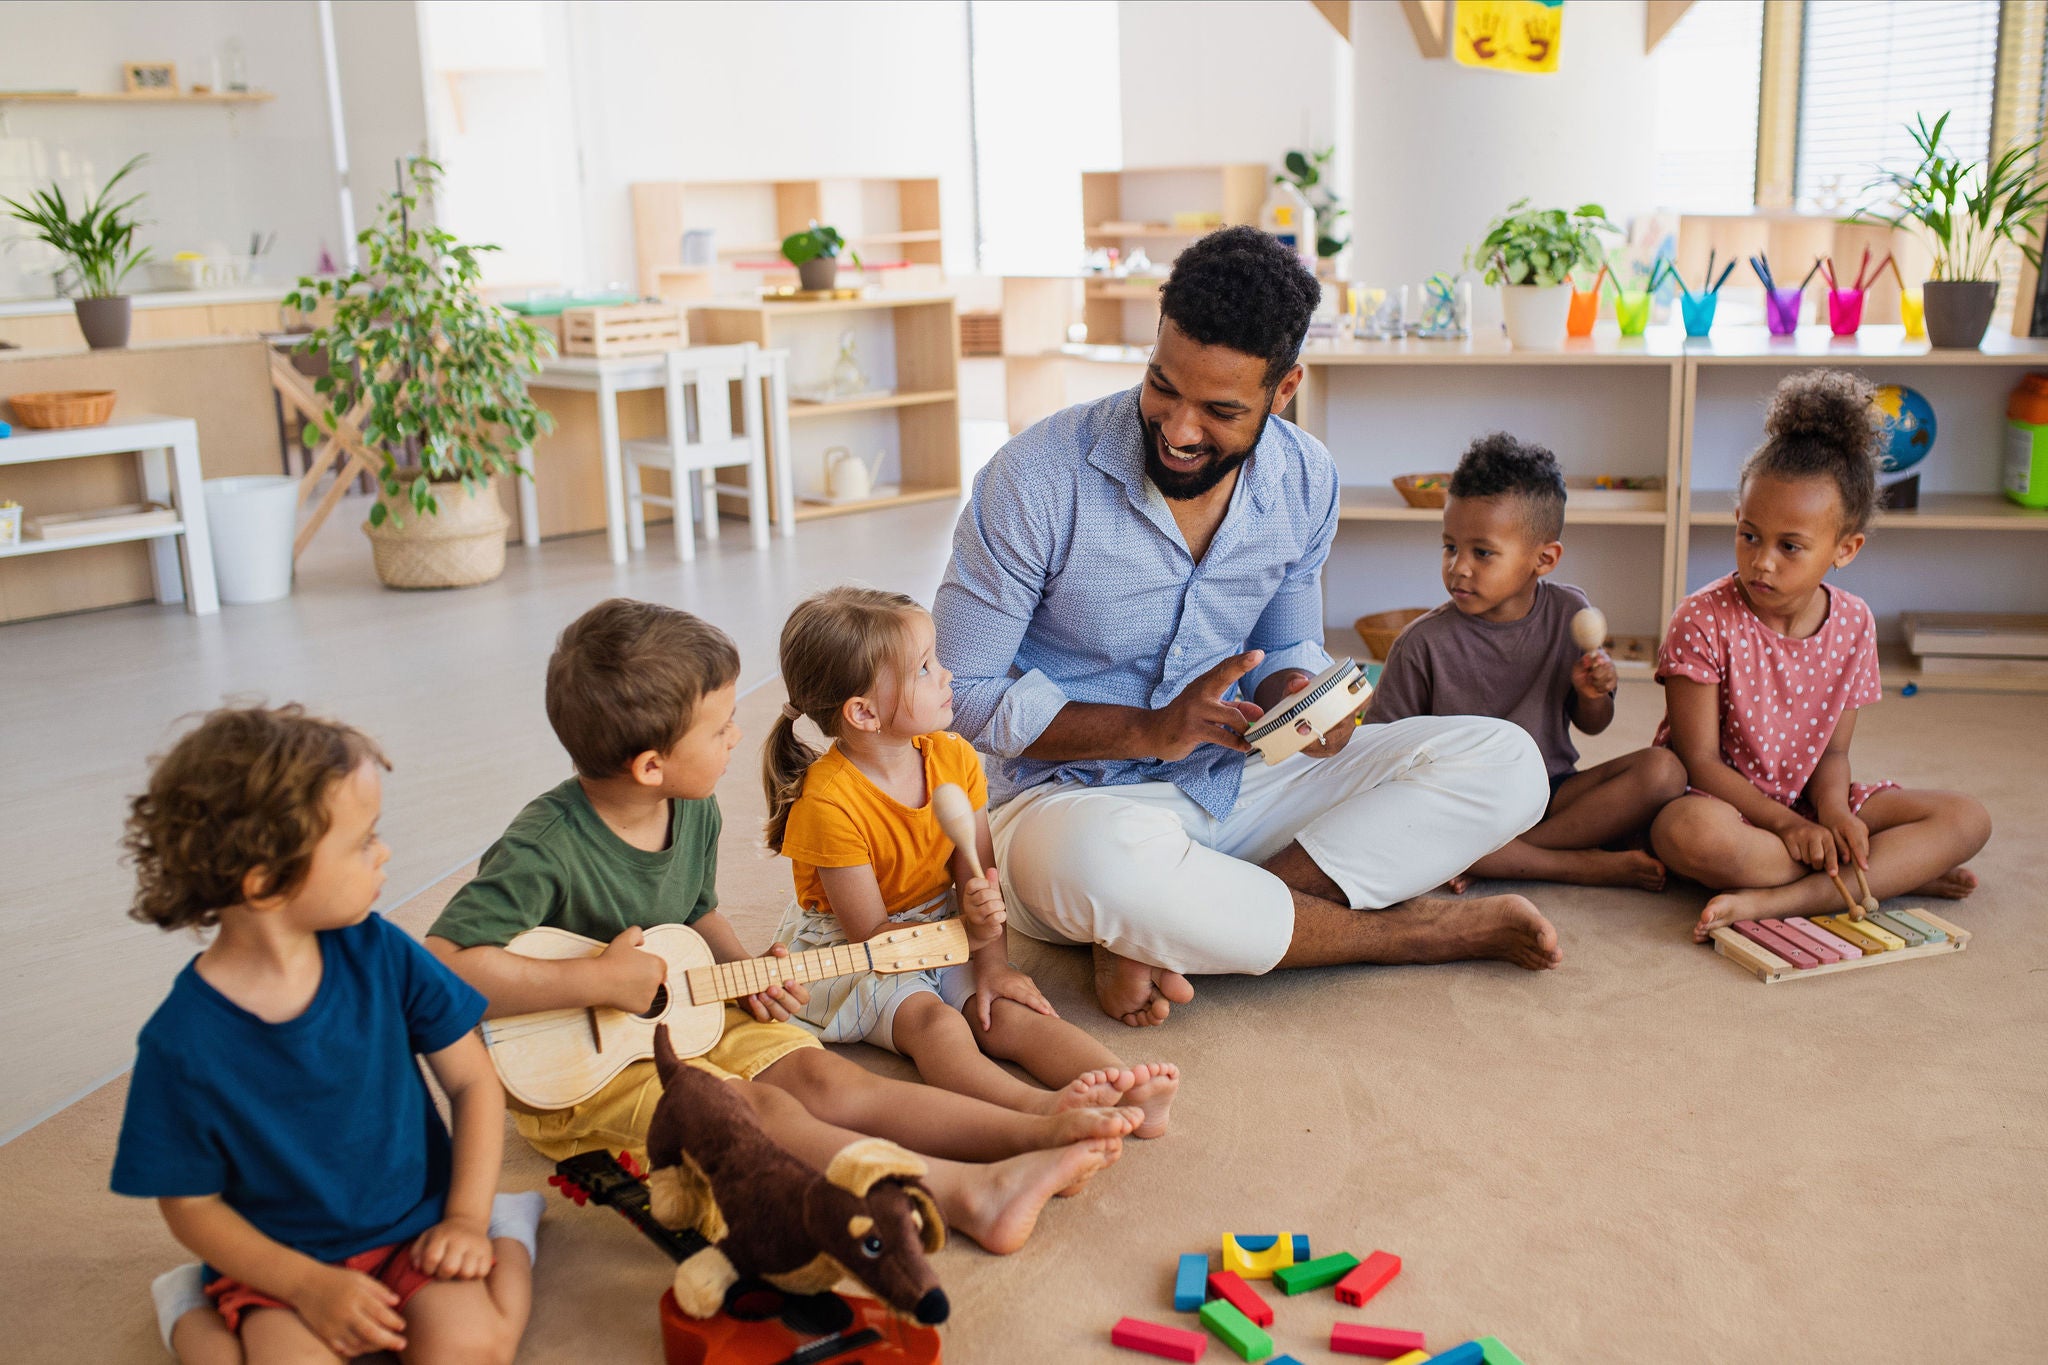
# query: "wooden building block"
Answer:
x=1188 y=1281
x=1470 y=1353
x=1495 y=1353
x=1169 y=1343
x=1356 y=1339
x=1841 y=947
x=1236 y=1331
x=1368 y=1279
x=1412 y=1358
x=1317 y=1274
x=1256 y=1258
x=1228 y=1286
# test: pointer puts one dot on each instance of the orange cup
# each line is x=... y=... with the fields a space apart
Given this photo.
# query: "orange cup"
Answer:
x=1585 y=309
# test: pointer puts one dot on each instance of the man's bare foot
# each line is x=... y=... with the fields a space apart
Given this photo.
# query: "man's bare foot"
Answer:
x=1509 y=928
x=1152 y=1090
x=1090 y=1090
x=1727 y=908
x=1078 y=1125
x=1953 y=885
x=999 y=1206
x=1631 y=867
x=1137 y=993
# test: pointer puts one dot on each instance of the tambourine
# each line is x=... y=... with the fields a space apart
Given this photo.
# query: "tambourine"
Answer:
x=1338 y=693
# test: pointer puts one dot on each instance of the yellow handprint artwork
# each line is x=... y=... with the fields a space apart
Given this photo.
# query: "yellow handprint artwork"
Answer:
x=1509 y=35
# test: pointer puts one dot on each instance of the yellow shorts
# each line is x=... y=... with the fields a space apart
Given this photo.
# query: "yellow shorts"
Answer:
x=617 y=1116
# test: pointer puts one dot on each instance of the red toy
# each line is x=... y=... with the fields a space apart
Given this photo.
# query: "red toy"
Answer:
x=1135 y=1334
x=875 y=1337
x=1383 y=1342
x=1229 y=1286
x=1368 y=1279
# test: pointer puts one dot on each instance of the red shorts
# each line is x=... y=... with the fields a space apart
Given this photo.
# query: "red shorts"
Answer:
x=1859 y=792
x=390 y=1266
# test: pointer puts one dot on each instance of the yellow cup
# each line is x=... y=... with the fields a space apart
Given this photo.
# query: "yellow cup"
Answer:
x=1913 y=312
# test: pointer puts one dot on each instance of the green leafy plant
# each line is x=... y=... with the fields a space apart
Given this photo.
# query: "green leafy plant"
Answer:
x=1540 y=246
x=99 y=242
x=1964 y=208
x=813 y=242
x=1305 y=172
x=438 y=370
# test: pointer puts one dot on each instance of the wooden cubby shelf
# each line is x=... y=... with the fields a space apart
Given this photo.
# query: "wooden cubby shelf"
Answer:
x=889 y=221
x=800 y=408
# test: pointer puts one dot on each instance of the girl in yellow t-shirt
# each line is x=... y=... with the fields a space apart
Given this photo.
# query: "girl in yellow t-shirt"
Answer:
x=857 y=823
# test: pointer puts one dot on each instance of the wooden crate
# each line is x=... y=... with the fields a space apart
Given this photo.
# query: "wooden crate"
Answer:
x=625 y=329
x=981 y=333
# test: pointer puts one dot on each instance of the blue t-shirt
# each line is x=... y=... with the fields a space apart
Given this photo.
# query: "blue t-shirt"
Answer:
x=318 y=1130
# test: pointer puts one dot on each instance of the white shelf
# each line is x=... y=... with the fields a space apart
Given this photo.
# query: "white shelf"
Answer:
x=43 y=547
x=1936 y=512
x=800 y=409
x=1367 y=502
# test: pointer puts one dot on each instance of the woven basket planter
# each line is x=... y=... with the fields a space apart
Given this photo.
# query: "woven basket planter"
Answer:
x=462 y=546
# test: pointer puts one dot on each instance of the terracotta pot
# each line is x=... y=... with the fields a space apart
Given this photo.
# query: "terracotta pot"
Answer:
x=104 y=321
x=1958 y=311
x=1535 y=315
x=459 y=547
x=819 y=272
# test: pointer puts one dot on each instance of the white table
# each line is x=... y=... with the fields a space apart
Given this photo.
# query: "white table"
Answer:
x=630 y=374
x=167 y=456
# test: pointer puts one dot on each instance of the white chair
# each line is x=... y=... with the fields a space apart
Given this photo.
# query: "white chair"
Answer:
x=700 y=440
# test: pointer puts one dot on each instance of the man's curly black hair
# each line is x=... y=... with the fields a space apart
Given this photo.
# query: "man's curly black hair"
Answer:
x=1499 y=466
x=1244 y=289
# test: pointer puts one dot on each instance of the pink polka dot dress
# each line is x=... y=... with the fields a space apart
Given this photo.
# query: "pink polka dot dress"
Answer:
x=1780 y=698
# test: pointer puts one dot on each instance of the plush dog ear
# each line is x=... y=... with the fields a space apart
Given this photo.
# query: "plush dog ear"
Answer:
x=681 y=1197
x=931 y=1225
x=665 y=1061
x=858 y=1165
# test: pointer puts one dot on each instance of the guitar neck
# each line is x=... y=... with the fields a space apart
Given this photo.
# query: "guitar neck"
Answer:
x=731 y=980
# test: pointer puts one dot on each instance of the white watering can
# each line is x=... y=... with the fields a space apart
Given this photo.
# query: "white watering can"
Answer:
x=849 y=476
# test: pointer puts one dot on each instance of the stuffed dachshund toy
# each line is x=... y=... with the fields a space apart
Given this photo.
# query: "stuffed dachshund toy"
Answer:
x=769 y=1215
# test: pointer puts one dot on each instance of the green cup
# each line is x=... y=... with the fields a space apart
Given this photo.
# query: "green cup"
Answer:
x=1632 y=311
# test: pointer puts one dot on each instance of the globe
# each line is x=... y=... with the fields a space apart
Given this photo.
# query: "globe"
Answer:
x=1908 y=423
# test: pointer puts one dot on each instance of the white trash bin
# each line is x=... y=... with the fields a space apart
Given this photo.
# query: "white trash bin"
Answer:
x=253 y=520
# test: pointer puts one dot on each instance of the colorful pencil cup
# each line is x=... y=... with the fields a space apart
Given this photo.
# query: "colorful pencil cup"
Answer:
x=1585 y=309
x=1913 y=312
x=1781 y=310
x=1845 y=311
x=1632 y=311
x=1698 y=312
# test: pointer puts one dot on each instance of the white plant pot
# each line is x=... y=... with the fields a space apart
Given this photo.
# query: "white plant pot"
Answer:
x=1535 y=315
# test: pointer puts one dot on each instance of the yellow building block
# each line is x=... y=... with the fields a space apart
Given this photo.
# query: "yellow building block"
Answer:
x=1412 y=1358
x=1258 y=1265
x=1865 y=935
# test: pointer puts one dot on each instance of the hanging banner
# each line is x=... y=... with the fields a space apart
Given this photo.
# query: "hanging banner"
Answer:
x=1509 y=35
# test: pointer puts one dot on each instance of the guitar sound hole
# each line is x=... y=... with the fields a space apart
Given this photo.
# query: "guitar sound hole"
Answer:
x=660 y=1005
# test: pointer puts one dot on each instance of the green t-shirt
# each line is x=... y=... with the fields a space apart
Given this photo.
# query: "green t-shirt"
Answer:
x=560 y=865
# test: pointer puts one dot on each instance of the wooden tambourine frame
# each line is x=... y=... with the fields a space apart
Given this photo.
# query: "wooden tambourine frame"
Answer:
x=1338 y=693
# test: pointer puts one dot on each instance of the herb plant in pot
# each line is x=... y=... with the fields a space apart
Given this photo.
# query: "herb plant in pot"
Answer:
x=98 y=245
x=1530 y=254
x=1965 y=210
x=815 y=254
x=434 y=379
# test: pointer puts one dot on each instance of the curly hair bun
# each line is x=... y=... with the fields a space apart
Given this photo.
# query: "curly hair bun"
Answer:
x=1830 y=407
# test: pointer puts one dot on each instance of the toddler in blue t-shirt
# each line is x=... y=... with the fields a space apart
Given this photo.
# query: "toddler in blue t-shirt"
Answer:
x=276 y=1111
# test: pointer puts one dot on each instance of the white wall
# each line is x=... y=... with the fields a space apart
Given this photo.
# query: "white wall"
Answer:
x=384 y=108
x=1439 y=148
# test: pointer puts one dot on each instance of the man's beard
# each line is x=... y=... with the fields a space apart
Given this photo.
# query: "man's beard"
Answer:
x=1184 y=485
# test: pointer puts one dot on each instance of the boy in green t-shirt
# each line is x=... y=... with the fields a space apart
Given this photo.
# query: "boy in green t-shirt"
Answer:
x=642 y=697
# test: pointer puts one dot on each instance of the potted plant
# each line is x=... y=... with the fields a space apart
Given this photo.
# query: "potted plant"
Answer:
x=1530 y=254
x=1305 y=172
x=98 y=245
x=1965 y=211
x=439 y=375
x=815 y=254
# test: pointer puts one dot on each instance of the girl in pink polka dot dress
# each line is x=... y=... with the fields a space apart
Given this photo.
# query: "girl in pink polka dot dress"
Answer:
x=1763 y=673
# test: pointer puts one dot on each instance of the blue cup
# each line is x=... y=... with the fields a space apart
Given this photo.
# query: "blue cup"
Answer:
x=1698 y=312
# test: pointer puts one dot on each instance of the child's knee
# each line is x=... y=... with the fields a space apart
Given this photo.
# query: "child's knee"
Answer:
x=1660 y=776
x=808 y=1071
x=924 y=1019
x=1967 y=817
x=1686 y=833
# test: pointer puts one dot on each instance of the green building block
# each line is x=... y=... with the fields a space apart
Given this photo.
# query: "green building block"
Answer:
x=1320 y=1273
x=1235 y=1330
x=1497 y=1354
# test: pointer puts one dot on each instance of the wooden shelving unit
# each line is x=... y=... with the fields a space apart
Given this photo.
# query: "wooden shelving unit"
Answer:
x=908 y=345
x=139 y=97
x=885 y=220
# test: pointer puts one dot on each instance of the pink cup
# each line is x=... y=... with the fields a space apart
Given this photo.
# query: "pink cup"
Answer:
x=1845 y=311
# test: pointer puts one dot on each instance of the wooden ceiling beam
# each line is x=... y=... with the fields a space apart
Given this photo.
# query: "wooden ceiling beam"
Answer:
x=1338 y=12
x=1659 y=18
x=1429 y=21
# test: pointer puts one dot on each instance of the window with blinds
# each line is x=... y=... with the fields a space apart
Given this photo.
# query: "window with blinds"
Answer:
x=1869 y=68
x=1707 y=71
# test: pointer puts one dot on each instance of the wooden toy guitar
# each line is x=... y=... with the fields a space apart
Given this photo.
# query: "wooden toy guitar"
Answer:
x=551 y=1059
x=1338 y=693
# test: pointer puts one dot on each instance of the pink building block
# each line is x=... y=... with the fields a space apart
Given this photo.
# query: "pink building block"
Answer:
x=1171 y=1343
x=1229 y=1286
x=1368 y=1279
x=1383 y=1342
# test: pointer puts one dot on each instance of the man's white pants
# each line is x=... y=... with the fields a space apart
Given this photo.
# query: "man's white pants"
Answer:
x=1149 y=874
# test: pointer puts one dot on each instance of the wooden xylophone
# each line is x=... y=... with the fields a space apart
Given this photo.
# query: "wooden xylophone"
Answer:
x=1782 y=950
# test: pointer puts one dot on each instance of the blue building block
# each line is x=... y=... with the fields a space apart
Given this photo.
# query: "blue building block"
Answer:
x=1191 y=1283
x=1471 y=1353
x=1283 y=1360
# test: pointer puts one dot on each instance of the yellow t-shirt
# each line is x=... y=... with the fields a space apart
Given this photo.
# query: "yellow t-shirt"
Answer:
x=843 y=820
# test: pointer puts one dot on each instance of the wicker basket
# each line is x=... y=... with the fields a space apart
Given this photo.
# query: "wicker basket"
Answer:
x=58 y=411
x=1380 y=629
x=461 y=546
x=1432 y=496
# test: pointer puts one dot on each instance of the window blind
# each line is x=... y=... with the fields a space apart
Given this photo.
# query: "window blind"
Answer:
x=1707 y=69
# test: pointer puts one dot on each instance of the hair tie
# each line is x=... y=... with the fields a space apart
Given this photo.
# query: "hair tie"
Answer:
x=790 y=713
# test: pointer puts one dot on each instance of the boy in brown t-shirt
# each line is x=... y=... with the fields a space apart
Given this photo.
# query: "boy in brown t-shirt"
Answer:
x=1502 y=647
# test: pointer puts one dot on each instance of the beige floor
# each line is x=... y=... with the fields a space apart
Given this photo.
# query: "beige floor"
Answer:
x=1645 y=1156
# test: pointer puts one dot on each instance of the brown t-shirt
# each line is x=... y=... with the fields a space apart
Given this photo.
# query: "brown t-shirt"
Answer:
x=1451 y=664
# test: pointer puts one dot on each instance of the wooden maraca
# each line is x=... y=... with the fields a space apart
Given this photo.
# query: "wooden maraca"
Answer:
x=956 y=817
x=1589 y=630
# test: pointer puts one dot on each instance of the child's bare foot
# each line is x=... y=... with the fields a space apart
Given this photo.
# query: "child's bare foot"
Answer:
x=1137 y=993
x=1000 y=1206
x=1727 y=908
x=1953 y=885
x=1459 y=884
x=1089 y=1090
x=1078 y=1125
x=1152 y=1090
x=1632 y=867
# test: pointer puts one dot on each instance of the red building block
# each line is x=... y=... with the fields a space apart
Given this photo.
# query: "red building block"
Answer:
x=1369 y=1279
x=1229 y=1286
x=1172 y=1343
x=1383 y=1342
